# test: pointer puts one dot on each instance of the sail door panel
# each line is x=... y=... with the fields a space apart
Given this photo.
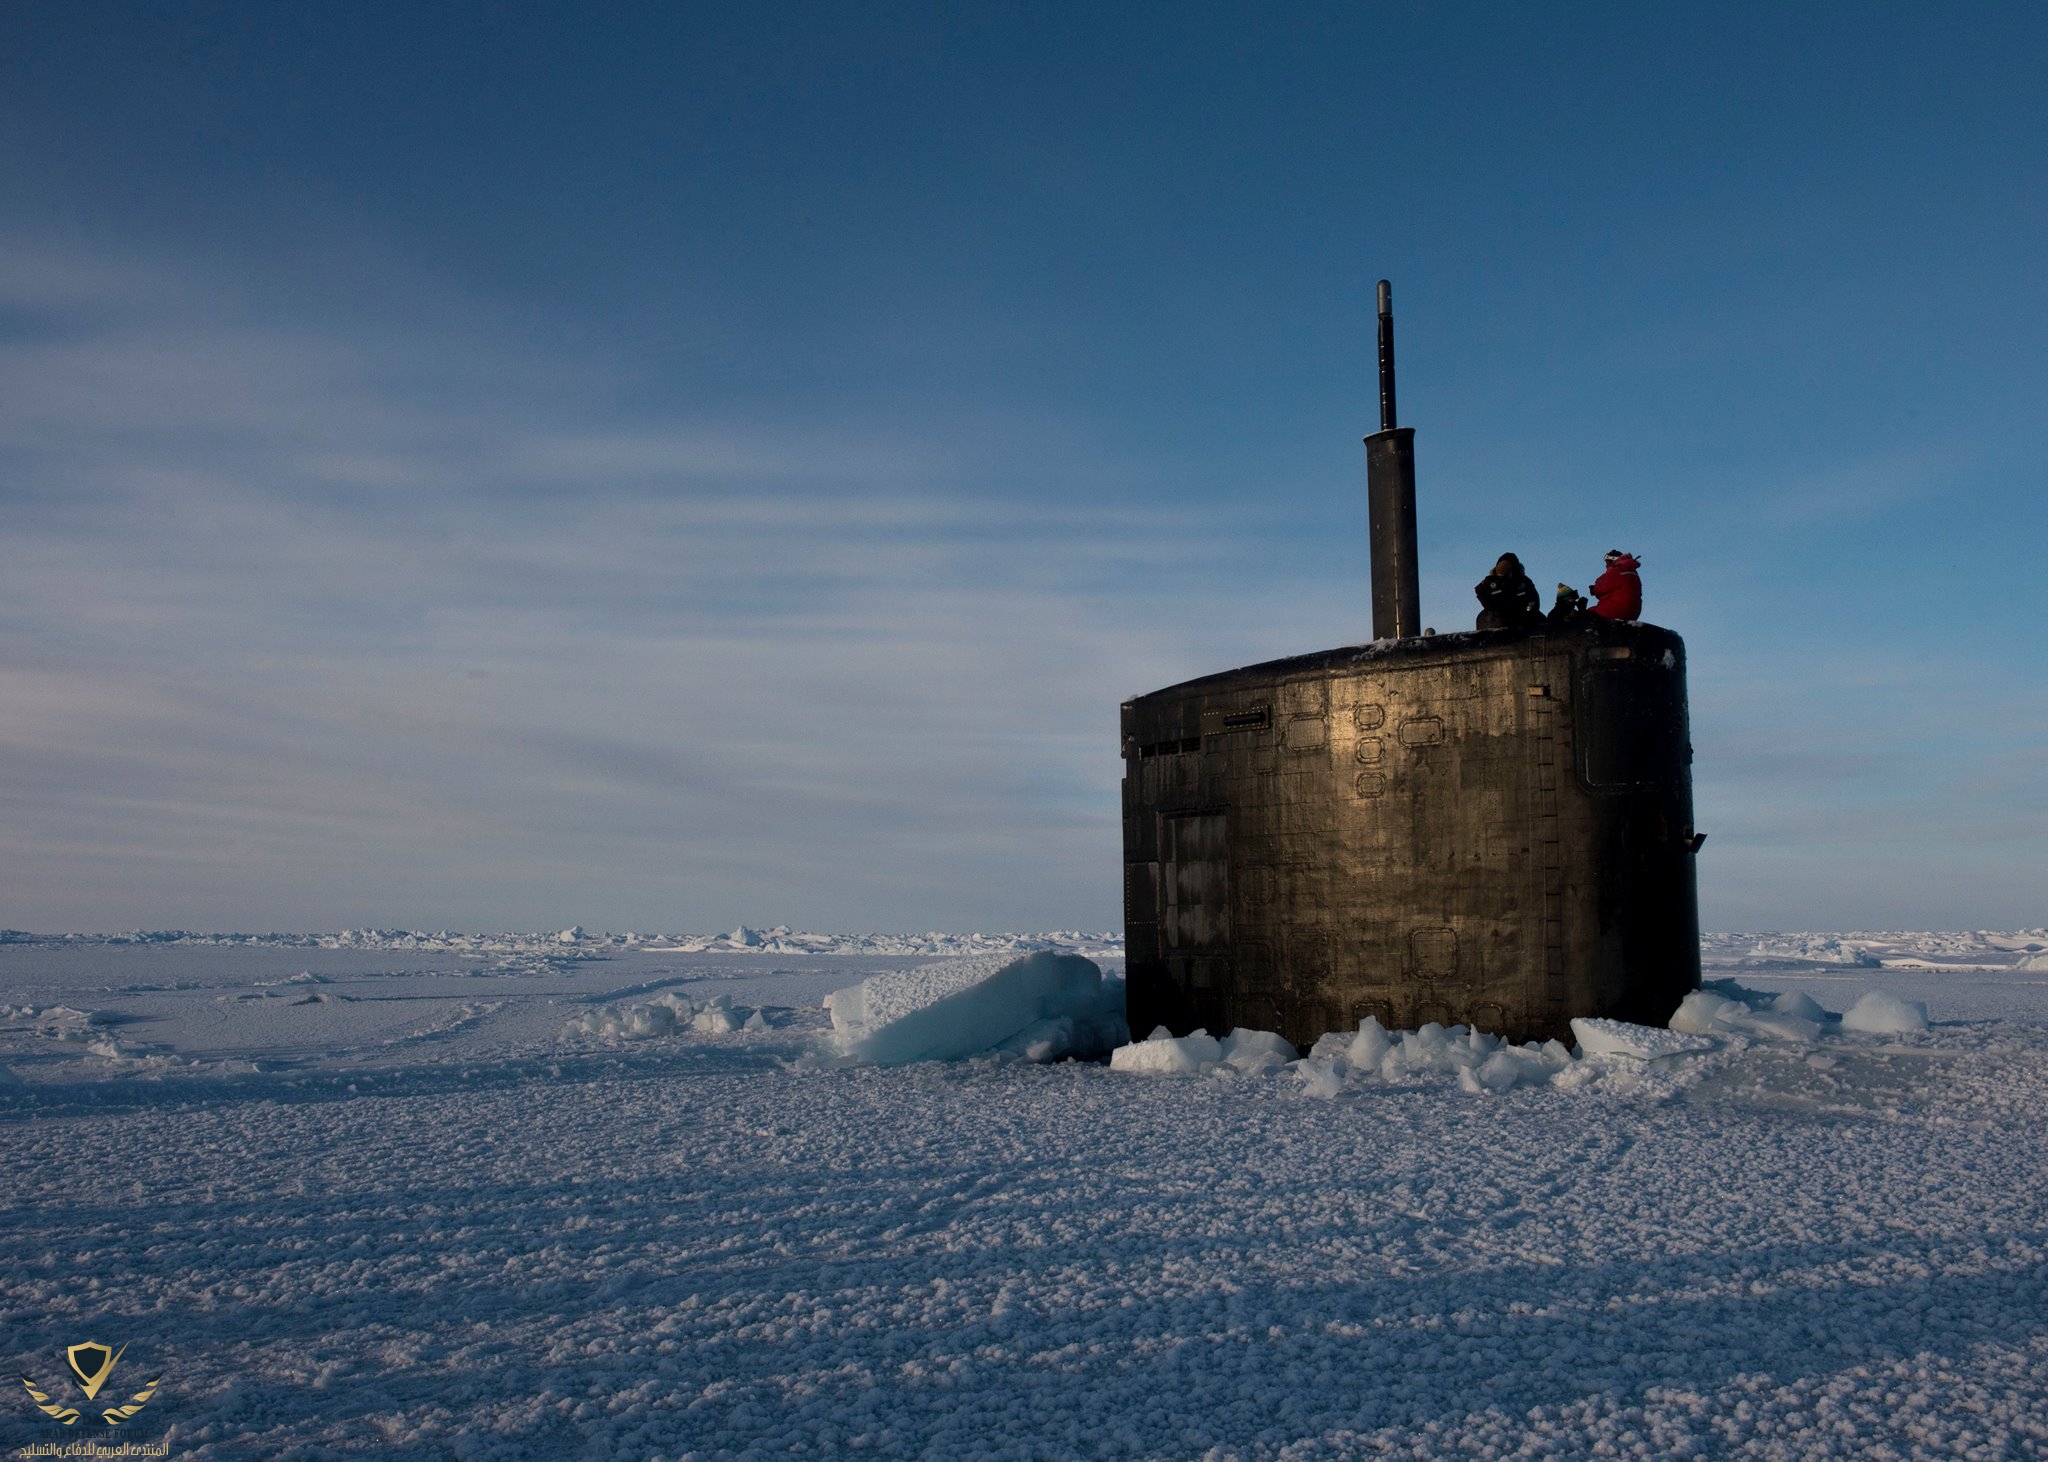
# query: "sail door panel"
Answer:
x=1194 y=881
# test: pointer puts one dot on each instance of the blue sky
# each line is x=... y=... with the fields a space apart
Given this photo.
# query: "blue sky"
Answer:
x=664 y=466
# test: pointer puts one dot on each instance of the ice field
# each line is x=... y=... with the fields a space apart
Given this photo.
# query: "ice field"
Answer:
x=536 y=1197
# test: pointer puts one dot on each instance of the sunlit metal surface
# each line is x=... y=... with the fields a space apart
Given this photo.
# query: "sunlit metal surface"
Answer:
x=1491 y=829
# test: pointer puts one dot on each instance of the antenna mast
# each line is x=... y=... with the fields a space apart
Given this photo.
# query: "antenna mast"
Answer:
x=1390 y=501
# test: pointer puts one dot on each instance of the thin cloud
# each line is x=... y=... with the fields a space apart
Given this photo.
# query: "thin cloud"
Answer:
x=311 y=625
x=283 y=636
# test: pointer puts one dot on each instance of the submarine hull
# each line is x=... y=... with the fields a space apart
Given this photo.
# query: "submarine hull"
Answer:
x=1490 y=829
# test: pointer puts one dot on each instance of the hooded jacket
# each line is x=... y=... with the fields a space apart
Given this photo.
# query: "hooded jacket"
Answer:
x=1506 y=600
x=1619 y=590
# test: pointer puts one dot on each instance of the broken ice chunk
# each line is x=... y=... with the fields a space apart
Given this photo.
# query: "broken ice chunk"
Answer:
x=956 y=1008
x=1643 y=1042
x=1881 y=1014
x=1164 y=1054
x=1256 y=1053
x=1799 y=1004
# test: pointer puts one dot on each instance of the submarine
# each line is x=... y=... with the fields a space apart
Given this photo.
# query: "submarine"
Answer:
x=1491 y=828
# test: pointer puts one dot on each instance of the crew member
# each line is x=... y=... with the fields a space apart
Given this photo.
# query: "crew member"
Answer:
x=1507 y=599
x=1619 y=591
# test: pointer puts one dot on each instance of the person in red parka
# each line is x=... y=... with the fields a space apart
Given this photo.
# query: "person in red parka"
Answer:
x=1619 y=591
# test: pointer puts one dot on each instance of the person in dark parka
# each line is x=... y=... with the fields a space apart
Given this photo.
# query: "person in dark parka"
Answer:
x=1619 y=591
x=1507 y=599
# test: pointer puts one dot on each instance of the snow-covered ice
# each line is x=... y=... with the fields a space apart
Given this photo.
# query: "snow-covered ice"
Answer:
x=383 y=1199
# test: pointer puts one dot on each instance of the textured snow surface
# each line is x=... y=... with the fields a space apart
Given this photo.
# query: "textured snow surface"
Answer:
x=372 y=1203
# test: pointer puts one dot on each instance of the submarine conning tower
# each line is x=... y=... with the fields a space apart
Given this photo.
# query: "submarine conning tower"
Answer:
x=1491 y=828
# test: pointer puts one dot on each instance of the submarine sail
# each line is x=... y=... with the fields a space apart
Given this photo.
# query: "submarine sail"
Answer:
x=1492 y=829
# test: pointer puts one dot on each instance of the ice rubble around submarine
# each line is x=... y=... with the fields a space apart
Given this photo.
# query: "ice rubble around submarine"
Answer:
x=1708 y=1020
x=1724 y=1008
x=1479 y=1061
x=668 y=1013
x=1047 y=1006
